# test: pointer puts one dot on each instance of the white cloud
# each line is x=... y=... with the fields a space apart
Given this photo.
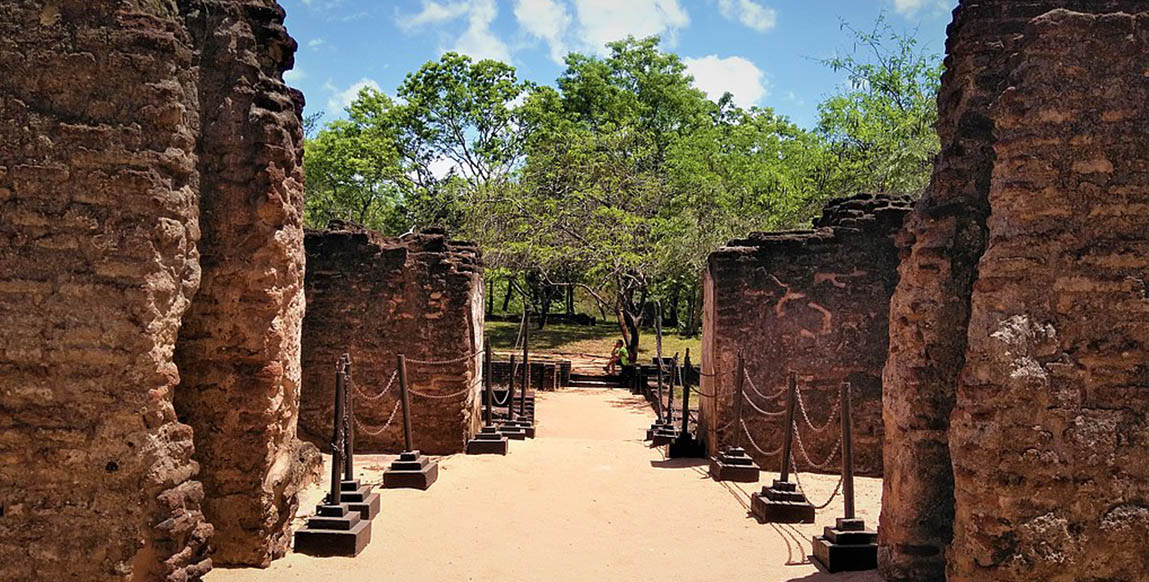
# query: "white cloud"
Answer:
x=479 y=41
x=434 y=13
x=316 y=42
x=911 y=7
x=751 y=14
x=545 y=19
x=603 y=21
x=716 y=76
x=294 y=75
x=340 y=100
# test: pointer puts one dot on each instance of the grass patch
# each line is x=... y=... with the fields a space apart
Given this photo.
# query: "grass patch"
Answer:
x=595 y=340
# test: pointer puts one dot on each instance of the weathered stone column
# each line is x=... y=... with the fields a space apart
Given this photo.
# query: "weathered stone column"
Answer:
x=1050 y=433
x=930 y=311
x=98 y=210
x=239 y=347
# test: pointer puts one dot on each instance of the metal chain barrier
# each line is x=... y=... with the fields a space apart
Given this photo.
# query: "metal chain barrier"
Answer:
x=755 y=389
x=765 y=413
x=366 y=396
x=750 y=439
x=802 y=449
x=445 y=362
x=701 y=393
x=833 y=494
x=378 y=431
x=445 y=396
x=806 y=417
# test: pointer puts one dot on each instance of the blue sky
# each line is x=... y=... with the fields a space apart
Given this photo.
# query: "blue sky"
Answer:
x=763 y=51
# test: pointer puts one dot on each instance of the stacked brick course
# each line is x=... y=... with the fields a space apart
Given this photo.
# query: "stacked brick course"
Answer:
x=814 y=302
x=1010 y=338
x=109 y=110
x=374 y=298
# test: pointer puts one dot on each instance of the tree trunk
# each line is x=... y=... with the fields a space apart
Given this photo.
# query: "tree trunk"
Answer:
x=490 y=297
x=507 y=297
x=671 y=316
x=570 y=301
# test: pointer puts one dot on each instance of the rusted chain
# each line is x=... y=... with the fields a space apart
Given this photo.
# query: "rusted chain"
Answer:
x=445 y=396
x=701 y=393
x=755 y=445
x=754 y=389
x=802 y=449
x=765 y=413
x=390 y=383
x=833 y=494
x=378 y=431
x=445 y=362
x=830 y=418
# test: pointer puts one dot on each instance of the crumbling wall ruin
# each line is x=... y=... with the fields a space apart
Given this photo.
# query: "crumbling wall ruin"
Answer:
x=239 y=346
x=1011 y=339
x=106 y=184
x=814 y=302
x=374 y=298
x=1050 y=431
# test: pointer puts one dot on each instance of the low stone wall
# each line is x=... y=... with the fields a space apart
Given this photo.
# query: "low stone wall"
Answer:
x=374 y=298
x=543 y=375
x=814 y=302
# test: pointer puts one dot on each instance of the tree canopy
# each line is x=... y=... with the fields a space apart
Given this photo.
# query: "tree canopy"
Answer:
x=622 y=177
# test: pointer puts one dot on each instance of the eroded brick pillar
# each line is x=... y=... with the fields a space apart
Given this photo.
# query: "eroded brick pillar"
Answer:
x=239 y=348
x=98 y=209
x=1050 y=434
x=930 y=311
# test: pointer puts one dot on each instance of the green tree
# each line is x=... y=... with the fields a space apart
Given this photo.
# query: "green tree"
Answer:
x=881 y=129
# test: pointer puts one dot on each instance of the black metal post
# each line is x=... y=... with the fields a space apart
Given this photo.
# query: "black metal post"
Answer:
x=490 y=388
x=333 y=496
x=658 y=354
x=401 y=361
x=788 y=440
x=526 y=360
x=739 y=378
x=686 y=393
x=348 y=421
x=674 y=378
x=847 y=453
x=511 y=390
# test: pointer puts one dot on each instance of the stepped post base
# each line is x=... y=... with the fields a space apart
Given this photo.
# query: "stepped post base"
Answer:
x=411 y=471
x=781 y=503
x=847 y=547
x=334 y=531
x=489 y=441
x=687 y=447
x=734 y=464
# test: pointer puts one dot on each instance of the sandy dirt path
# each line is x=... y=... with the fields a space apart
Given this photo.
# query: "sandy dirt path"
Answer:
x=586 y=500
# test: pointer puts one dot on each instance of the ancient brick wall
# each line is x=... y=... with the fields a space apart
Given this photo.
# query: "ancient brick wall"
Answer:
x=239 y=346
x=98 y=226
x=944 y=240
x=1050 y=433
x=143 y=143
x=375 y=297
x=814 y=302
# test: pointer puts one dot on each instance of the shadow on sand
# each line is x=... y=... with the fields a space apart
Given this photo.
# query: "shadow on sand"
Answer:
x=678 y=463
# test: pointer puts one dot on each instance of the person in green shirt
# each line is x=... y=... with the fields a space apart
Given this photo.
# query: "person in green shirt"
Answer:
x=619 y=356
